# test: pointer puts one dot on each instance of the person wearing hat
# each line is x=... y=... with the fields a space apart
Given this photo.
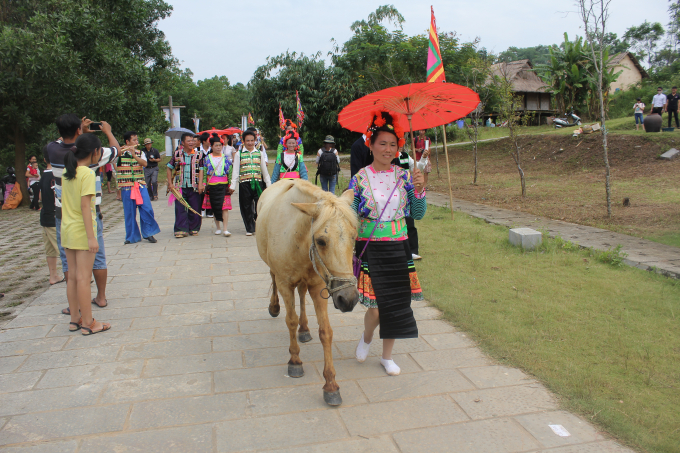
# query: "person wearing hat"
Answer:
x=153 y=156
x=328 y=164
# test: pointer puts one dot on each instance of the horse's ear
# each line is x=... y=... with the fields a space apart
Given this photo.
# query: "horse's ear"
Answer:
x=311 y=209
x=348 y=197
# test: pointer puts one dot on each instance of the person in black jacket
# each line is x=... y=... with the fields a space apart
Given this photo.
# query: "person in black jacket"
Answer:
x=47 y=221
x=360 y=155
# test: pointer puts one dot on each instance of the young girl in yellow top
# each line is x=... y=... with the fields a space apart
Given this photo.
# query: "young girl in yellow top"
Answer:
x=79 y=231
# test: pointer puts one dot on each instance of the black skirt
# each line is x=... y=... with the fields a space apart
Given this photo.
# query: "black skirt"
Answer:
x=216 y=194
x=389 y=274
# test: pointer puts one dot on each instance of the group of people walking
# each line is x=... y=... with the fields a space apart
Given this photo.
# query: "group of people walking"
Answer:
x=388 y=188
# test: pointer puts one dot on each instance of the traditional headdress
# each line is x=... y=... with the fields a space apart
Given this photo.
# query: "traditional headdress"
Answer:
x=385 y=121
x=291 y=135
x=290 y=123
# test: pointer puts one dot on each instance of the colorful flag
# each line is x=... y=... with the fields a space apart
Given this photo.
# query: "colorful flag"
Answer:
x=435 y=67
x=282 y=120
x=300 y=113
x=250 y=119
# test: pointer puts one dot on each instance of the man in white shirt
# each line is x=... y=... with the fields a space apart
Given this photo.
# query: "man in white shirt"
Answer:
x=658 y=101
x=251 y=175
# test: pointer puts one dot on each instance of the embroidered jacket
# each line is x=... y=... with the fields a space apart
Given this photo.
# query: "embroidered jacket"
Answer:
x=128 y=170
x=188 y=168
x=296 y=170
x=371 y=190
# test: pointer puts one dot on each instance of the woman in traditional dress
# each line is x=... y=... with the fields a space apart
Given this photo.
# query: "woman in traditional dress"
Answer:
x=290 y=164
x=384 y=195
x=216 y=168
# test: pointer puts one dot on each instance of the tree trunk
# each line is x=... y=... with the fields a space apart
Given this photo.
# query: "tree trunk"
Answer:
x=522 y=180
x=607 y=177
x=475 y=153
x=20 y=163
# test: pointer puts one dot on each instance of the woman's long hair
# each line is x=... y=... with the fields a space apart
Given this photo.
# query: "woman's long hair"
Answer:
x=85 y=145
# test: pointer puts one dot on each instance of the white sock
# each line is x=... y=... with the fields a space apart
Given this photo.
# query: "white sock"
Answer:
x=362 y=349
x=391 y=367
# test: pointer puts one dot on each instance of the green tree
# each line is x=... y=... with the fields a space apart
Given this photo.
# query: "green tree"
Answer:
x=97 y=58
x=644 y=40
x=538 y=54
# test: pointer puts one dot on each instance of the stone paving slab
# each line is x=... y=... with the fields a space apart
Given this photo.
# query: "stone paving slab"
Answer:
x=194 y=363
x=642 y=253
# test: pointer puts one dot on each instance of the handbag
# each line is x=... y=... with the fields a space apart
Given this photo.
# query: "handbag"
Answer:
x=356 y=260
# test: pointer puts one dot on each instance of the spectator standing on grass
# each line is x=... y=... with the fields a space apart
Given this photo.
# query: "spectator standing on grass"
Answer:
x=33 y=181
x=153 y=156
x=639 y=109
x=70 y=128
x=328 y=164
x=658 y=102
x=47 y=221
x=79 y=230
x=672 y=106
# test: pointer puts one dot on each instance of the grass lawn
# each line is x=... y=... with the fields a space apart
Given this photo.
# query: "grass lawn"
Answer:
x=603 y=338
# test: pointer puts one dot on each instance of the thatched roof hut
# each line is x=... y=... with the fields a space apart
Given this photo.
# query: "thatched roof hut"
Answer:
x=525 y=83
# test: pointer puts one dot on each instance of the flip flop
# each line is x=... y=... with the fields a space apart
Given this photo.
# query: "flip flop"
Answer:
x=63 y=279
x=66 y=311
x=92 y=332
x=94 y=301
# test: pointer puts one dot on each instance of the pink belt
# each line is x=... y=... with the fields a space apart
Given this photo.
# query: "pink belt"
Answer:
x=291 y=175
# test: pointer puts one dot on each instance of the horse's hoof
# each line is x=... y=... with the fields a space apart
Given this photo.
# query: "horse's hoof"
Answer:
x=295 y=371
x=332 y=398
x=272 y=314
x=304 y=337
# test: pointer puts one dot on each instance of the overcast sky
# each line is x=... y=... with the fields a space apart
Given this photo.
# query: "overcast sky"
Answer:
x=214 y=37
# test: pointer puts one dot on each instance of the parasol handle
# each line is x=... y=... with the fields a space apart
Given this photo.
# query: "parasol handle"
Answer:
x=413 y=142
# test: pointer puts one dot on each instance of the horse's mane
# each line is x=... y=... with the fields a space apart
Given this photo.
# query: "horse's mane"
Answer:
x=332 y=208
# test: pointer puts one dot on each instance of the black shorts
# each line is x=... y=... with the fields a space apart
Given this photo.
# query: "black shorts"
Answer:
x=109 y=176
x=658 y=110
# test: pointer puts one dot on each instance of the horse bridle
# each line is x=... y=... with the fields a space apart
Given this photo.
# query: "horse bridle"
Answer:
x=313 y=256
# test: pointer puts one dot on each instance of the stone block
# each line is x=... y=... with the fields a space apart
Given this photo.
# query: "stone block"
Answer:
x=449 y=340
x=187 y=439
x=526 y=238
x=216 y=361
x=115 y=337
x=169 y=300
x=381 y=444
x=302 y=398
x=350 y=369
x=200 y=307
x=280 y=355
x=414 y=385
x=66 y=423
x=186 y=411
x=262 y=378
x=670 y=154
x=495 y=376
x=158 y=387
x=70 y=358
x=48 y=400
x=595 y=447
x=279 y=431
x=187 y=319
x=430 y=327
x=69 y=446
x=205 y=330
x=17 y=382
x=487 y=436
x=504 y=401
x=172 y=348
x=91 y=374
x=538 y=425
x=11 y=363
x=372 y=419
x=445 y=359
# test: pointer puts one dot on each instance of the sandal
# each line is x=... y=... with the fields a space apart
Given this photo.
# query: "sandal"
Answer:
x=89 y=331
x=76 y=325
x=193 y=233
x=181 y=234
x=66 y=311
x=60 y=281
x=94 y=301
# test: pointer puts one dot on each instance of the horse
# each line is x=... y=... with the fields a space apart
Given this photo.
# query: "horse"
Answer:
x=306 y=237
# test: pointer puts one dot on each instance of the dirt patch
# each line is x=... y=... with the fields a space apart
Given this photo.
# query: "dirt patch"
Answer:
x=565 y=180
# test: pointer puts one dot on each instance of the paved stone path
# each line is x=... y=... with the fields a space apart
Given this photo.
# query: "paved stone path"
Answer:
x=642 y=253
x=194 y=363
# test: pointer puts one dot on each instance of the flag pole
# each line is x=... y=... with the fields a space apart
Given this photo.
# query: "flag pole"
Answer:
x=448 y=170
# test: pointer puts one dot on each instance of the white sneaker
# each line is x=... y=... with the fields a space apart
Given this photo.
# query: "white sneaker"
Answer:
x=218 y=232
x=416 y=257
x=210 y=216
x=362 y=350
x=226 y=233
x=391 y=367
x=249 y=234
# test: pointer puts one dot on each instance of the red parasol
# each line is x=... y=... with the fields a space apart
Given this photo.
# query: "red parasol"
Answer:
x=232 y=131
x=213 y=131
x=419 y=105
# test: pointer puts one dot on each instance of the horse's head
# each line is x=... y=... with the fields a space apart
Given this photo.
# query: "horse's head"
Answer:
x=334 y=230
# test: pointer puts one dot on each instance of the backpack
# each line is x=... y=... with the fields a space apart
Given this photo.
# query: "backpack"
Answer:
x=328 y=163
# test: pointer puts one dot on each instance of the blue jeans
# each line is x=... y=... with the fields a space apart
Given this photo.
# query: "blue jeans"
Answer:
x=146 y=218
x=99 y=258
x=638 y=117
x=327 y=181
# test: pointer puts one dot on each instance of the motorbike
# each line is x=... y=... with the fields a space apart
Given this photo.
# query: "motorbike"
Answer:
x=571 y=120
